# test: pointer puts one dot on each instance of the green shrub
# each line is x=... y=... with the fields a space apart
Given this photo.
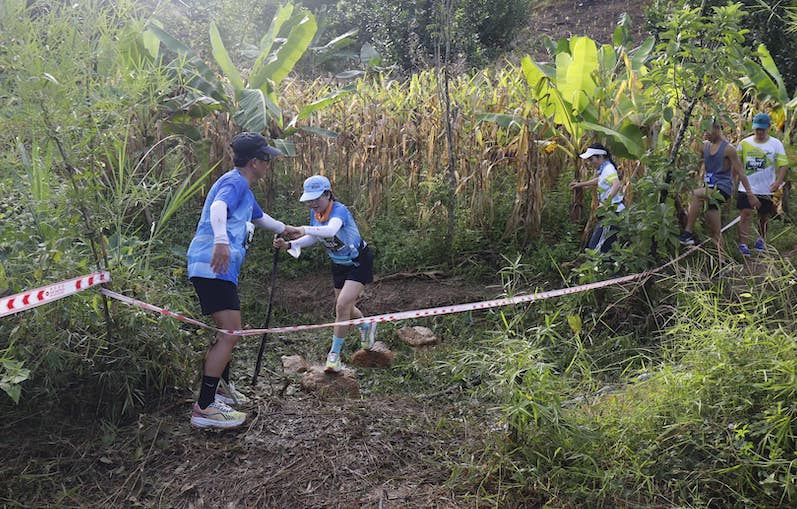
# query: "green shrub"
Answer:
x=707 y=418
x=406 y=32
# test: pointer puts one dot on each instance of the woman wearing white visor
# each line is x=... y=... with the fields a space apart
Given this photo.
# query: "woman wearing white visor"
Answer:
x=607 y=181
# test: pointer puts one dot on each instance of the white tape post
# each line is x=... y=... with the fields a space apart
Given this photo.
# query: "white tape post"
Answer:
x=30 y=299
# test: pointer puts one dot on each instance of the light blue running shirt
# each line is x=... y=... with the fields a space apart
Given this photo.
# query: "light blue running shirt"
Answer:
x=344 y=246
x=233 y=189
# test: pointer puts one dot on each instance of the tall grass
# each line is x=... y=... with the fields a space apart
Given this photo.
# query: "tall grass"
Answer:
x=86 y=176
x=705 y=416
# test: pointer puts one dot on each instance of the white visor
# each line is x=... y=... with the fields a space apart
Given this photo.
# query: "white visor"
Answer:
x=592 y=152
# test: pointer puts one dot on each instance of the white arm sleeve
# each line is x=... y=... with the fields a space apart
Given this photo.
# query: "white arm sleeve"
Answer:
x=269 y=223
x=329 y=230
x=307 y=240
x=218 y=221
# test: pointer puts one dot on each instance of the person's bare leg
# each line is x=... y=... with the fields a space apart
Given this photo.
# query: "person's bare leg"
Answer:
x=220 y=353
x=763 y=224
x=714 y=222
x=345 y=308
x=698 y=197
x=745 y=219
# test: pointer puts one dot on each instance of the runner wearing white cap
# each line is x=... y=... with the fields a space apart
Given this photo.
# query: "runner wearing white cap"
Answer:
x=332 y=224
x=608 y=184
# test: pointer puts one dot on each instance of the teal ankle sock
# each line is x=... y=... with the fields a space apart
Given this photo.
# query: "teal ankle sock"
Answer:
x=337 y=344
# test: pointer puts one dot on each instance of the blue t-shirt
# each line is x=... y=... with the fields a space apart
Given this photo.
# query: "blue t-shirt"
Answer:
x=345 y=245
x=233 y=189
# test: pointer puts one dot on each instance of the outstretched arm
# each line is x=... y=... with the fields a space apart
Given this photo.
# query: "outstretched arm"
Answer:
x=586 y=183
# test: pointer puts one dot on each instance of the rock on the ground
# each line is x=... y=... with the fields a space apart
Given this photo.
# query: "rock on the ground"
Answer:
x=417 y=336
x=294 y=364
x=330 y=384
x=379 y=356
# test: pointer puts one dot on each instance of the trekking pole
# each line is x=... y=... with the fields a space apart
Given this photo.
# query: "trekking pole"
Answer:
x=268 y=315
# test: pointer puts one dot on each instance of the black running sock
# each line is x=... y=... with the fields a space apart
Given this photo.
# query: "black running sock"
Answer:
x=207 y=393
x=225 y=375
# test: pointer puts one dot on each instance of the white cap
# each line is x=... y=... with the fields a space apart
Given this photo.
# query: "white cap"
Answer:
x=314 y=187
x=593 y=152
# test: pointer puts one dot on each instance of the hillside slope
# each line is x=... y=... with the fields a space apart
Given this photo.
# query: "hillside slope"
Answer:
x=595 y=18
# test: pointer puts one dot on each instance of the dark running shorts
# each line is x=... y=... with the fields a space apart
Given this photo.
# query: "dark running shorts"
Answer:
x=362 y=273
x=767 y=205
x=216 y=295
x=715 y=204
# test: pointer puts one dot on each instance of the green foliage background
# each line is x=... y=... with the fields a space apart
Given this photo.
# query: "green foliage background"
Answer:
x=680 y=389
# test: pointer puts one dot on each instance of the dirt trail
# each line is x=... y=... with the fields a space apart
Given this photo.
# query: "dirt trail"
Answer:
x=296 y=450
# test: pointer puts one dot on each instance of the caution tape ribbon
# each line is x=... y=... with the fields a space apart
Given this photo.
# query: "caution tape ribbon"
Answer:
x=419 y=313
x=33 y=298
x=77 y=284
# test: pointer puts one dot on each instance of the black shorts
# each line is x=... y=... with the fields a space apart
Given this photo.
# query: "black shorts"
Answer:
x=715 y=204
x=216 y=295
x=767 y=205
x=363 y=272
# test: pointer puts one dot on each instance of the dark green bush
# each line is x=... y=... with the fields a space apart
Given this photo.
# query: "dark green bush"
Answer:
x=406 y=32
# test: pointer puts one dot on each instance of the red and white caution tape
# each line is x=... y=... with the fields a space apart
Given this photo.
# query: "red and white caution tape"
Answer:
x=389 y=317
x=156 y=309
x=31 y=299
x=27 y=300
x=420 y=313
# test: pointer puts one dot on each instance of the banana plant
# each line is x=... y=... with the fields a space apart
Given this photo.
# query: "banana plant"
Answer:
x=768 y=83
x=584 y=91
x=254 y=102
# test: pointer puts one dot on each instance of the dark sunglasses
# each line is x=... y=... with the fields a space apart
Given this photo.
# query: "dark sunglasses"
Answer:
x=265 y=159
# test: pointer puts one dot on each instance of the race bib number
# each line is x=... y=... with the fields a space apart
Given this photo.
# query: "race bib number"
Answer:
x=711 y=179
x=333 y=243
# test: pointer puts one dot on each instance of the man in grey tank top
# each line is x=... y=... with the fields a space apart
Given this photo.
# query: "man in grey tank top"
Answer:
x=721 y=164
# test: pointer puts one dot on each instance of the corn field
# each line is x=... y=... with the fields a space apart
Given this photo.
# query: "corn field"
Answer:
x=391 y=139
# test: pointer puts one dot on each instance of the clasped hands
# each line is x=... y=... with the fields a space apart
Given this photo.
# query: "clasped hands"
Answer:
x=282 y=240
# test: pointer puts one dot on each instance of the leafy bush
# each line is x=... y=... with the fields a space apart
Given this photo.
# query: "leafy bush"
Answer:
x=703 y=416
x=88 y=183
x=407 y=32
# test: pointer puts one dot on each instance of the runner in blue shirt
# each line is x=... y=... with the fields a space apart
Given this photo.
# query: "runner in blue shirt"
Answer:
x=333 y=225
x=215 y=256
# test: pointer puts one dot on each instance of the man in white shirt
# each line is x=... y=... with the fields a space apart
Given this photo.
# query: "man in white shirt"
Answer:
x=765 y=163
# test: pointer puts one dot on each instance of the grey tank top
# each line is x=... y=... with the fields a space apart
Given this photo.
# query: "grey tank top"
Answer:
x=716 y=174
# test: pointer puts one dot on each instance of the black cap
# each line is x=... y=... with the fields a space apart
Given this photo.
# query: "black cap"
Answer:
x=249 y=145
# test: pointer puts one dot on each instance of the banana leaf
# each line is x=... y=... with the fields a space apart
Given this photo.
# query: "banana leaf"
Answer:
x=255 y=110
x=223 y=59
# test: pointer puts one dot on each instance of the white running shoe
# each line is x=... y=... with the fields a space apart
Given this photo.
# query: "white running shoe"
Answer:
x=227 y=394
x=333 y=364
x=216 y=415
